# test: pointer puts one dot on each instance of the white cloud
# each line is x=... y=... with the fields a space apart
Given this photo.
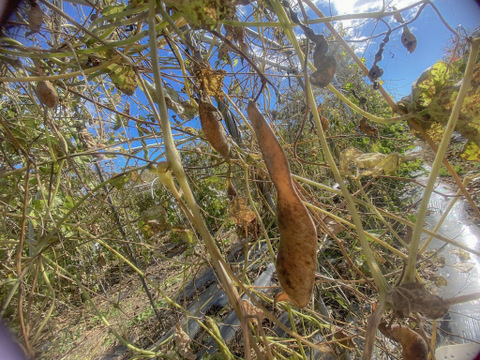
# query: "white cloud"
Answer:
x=355 y=29
x=342 y=7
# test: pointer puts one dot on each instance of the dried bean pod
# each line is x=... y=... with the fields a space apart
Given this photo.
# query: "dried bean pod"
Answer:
x=211 y=122
x=409 y=41
x=296 y=259
x=47 y=94
x=35 y=17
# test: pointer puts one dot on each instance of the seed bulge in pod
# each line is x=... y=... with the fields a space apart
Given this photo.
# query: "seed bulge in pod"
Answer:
x=47 y=94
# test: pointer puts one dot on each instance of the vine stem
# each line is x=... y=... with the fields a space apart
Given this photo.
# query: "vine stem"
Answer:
x=442 y=149
x=173 y=157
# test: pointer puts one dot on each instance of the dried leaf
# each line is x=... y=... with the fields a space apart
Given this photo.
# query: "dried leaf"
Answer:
x=440 y=281
x=240 y=213
x=462 y=254
x=211 y=81
x=464 y=267
x=471 y=152
x=86 y=138
x=182 y=343
x=323 y=119
x=366 y=128
x=373 y=164
x=412 y=298
x=123 y=77
x=47 y=94
x=409 y=41
x=255 y=314
x=413 y=345
x=333 y=225
x=296 y=259
x=343 y=339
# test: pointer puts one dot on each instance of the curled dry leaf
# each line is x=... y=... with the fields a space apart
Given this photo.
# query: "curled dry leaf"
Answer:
x=368 y=164
x=414 y=346
x=296 y=259
x=240 y=213
x=366 y=128
x=35 y=17
x=47 y=94
x=211 y=122
x=409 y=41
x=414 y=298
x=182 y=343
x=211 y=81
x=323 y=119
x=255 y=314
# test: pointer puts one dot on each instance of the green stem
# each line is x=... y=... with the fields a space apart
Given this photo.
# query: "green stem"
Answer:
x=442 y=149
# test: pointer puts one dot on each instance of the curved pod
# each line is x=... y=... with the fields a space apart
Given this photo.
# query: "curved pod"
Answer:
x=297 y=258
x=211 y=122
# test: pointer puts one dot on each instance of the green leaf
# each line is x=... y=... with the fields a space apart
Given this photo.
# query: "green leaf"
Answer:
x=120 y=180
x=124 y=78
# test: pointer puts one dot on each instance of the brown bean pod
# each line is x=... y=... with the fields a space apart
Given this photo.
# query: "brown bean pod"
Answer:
x=210 y=120
x=296 y=259
x=47 y=94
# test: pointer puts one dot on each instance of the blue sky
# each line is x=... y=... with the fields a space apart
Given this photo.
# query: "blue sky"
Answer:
x=401 y=69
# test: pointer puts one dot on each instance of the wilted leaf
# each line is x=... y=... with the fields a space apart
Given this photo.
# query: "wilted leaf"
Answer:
x=211 y=81
x=174 y=102
x=333 y=225
x=464 y=267
x=185 y=235
x=124 y=78
x=255 y=314
x=182 y=343
x=203 y=13
x=409 y=41
x=366 y=128
x=462 y=254
x=325 y=71
x=413 y=345
x=240 y=213
x=440 y=281
x=430 y=83
x=343 y=339
x=411 y=298
x=372 y=163
x=120 y=180
x=471 y=152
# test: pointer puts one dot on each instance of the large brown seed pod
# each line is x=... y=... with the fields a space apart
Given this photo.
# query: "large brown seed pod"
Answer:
x=47 y=94
x=211 y=122
x=296 y=259
x=35 y=17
